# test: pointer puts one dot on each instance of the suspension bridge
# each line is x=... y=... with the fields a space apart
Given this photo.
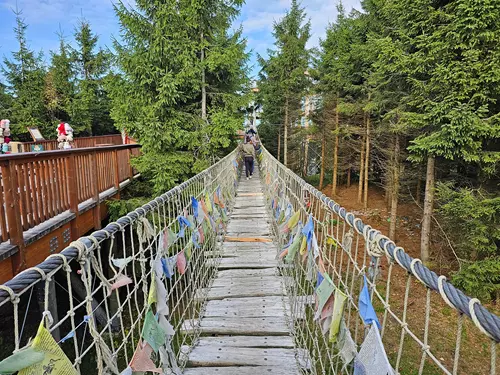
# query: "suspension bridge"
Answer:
x=223 y=275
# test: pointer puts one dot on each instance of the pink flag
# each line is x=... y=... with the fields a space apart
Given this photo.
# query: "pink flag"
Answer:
x=181 y=262
x=141 y=361
x=202 y=235
x=121 y=280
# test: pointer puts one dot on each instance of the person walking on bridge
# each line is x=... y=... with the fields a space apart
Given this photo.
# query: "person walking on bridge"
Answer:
x=249 y=155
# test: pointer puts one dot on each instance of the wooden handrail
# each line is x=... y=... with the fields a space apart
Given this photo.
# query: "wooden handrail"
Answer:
x=45 y=154
x=37 y=186
x=79 y=142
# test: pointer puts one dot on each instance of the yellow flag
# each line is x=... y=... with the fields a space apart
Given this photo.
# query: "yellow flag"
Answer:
x=292 y=222
x=55 y=361
x=338 y=311
x=152 y=291
x=303 y=246
x=208 y=202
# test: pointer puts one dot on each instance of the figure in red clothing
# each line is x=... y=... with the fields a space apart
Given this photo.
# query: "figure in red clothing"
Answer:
x=64 y=135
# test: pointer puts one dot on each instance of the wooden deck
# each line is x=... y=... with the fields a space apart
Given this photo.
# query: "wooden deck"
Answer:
x=244 y=328
x=50 y=198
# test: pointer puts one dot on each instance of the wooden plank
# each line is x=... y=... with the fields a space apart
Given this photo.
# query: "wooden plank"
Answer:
x=247 y=272
x=251 y=290
x=210 y=356
x=268 y=326
x=238 y=263
x=285 y=342
x=247 y=370
x=250 y=194
x=247 y=239
x=253 y=280
x=256 y=256
x=248 y=307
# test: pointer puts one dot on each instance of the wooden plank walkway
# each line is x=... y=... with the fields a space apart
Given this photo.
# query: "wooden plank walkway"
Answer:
x=244 y=330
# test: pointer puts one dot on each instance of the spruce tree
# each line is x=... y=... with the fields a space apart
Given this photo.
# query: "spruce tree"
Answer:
x=90 y=107
x=180 y=91
x=60 y=83
x=283 y=80
x=25 y=77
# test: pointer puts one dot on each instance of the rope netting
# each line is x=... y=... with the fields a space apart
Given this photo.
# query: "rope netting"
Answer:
x=335 y=267
x=96 y=297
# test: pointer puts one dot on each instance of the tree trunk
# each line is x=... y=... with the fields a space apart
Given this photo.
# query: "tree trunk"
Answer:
x=285 y=136
x=419 y=188
x=203 y=80
x=323 y=152
x=395 y=189
x=349 y=177
x=279 y=143
x=361 y=170
x=306 y=155
x=367 y=161
x=428 y=208
x=335 y=151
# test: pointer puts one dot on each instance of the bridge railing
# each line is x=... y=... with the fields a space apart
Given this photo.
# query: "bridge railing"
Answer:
x=79 y=142
x=95 y=295
x=427 y=325
x=36 y=187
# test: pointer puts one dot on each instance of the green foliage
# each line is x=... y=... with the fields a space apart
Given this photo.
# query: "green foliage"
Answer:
x=282 y=81
x=122 y=207
x=90 y=107
x=472 y=218
x=158 y=96
x=480 y=279
x=25 y=77
x=71 y=89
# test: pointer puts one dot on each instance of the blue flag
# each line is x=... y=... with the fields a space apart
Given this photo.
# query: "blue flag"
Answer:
x=194 y=203
x=365 y=306
x=183 y=222
x=319 y=279
x=308 y=231
x=194 y=238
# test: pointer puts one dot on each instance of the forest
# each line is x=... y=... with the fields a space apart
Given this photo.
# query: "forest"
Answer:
x=405 y=104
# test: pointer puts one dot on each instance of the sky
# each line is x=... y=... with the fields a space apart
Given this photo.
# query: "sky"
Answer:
x=46 y=17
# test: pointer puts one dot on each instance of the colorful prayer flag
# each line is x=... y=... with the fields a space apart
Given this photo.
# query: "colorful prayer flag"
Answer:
x=168 y=266
x=141 y=361
x=122 y=262
x=152 y=290
x=365 y=306
x=54 y=362
x=152 y=332
x=181 y=263
x=120 y=281
x=338 y=311
x=23 y=358
x=323 y=292
x=371 y=359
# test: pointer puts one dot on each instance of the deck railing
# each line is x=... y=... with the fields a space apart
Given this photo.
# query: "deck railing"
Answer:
x=36 y=187
x=79 y=142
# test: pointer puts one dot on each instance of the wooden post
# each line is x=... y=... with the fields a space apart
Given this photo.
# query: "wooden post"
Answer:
x=73 y=193
x=9 y=176
x=95 y=187
x=130 y=155
x=117 y=173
